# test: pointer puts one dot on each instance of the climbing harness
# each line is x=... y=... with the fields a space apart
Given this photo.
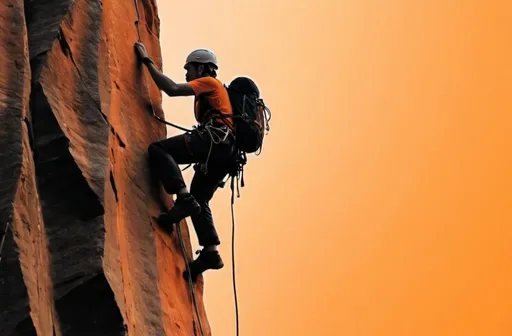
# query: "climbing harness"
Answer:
x=216 y=134
x=182 y=244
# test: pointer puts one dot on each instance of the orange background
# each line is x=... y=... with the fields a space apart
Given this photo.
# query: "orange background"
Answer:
x=381 y=204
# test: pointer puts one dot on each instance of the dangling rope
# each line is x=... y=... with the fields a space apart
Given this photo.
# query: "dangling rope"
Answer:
x=190 y=282
x=233 y=253
x=182 y=244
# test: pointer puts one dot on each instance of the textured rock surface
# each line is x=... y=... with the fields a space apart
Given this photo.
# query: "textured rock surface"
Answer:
x=81 y=255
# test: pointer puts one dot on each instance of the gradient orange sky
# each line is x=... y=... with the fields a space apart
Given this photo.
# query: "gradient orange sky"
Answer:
x=381 y=204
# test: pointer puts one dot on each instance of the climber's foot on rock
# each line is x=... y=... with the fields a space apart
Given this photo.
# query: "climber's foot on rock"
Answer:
x=208 y=259
x=184 y=206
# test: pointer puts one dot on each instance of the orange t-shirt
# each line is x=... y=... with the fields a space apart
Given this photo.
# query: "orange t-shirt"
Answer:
x=216 y=95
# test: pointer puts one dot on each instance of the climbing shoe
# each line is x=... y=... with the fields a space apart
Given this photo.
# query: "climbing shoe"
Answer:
x=206 y=260
x=184 y=206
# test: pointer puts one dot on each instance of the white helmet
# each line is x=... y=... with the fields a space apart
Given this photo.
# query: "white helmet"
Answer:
x=202 y=56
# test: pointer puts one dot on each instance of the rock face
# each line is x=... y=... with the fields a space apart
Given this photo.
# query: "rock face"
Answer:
x=80 y=253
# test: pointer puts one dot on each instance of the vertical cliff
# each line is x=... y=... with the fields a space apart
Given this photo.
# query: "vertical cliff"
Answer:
x=80 y=254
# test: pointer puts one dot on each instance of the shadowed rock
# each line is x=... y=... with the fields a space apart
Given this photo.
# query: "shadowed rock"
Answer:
x=80 y=253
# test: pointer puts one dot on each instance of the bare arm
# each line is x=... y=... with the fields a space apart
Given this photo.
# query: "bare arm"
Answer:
x=166 y=84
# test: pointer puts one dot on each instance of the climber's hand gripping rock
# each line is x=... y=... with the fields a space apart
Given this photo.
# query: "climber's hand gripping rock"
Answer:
x=142 y=52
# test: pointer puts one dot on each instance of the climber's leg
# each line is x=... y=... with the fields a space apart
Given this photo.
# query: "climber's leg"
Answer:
x=203 y=188
x=193 y=147
x=164 y=157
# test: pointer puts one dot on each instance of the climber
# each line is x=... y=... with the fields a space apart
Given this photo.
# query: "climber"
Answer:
x=210 y=147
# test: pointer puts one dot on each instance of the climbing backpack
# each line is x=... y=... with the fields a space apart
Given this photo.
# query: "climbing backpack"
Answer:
x=250 y=115
x=251 y=119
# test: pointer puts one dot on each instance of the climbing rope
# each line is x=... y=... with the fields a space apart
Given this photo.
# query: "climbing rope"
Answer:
x=190 y=282
x=233 y=258
x=182 y=244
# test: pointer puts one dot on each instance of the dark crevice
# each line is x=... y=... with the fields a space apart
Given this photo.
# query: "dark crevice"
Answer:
x=90 y=309
x=43 y=19
x=66 y=282
x=64 y=45
x=3 y=237
x=70 y=195
x=25 y=328
x=148 y=15
x=36 y=65
x=14 y=301
x=30 y=133
x=113 y=184
x=121 y=142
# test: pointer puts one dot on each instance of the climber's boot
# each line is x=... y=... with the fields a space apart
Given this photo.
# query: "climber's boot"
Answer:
x=206 y=260
x=184 y=206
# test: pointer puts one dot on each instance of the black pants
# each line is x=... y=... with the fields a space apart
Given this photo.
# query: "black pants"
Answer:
x=194 y=147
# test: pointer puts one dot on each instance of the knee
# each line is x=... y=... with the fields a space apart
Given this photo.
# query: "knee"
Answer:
x=154 y=154
x=155 y=150
x=199 y=194
x=153 y=147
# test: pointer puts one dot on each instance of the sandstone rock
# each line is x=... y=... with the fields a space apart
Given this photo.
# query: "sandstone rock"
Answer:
x=81 y=254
